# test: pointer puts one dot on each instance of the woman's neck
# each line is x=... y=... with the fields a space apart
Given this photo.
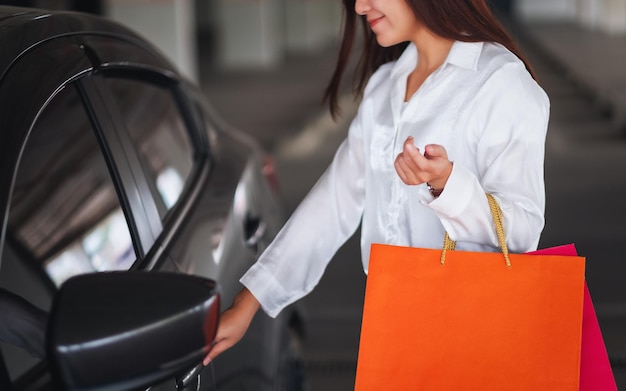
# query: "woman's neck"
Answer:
x=432 y=51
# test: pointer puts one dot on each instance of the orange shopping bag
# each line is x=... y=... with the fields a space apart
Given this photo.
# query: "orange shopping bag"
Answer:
x=470 y=320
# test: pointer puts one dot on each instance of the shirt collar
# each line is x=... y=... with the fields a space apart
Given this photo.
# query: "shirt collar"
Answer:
x=465 y=54
x=462 y=54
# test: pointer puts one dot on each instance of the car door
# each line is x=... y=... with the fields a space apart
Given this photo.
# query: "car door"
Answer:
x=110 y=160
x=77 y=201
x=226 y=213
x=223 y=214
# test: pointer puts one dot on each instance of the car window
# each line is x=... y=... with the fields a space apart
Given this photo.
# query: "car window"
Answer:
x=160 y=136
x=65 y=210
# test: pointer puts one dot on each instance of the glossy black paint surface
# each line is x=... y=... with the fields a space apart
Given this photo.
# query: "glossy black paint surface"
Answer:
x=207 y=233
x=125 y=330
x=42 y=51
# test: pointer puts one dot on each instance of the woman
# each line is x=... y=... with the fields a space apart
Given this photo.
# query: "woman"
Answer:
x=450 y=110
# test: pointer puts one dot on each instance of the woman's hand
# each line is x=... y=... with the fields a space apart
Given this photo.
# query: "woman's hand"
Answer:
x=432 y=167
x=234 y=323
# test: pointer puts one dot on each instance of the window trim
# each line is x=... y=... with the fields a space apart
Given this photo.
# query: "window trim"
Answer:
x=155 y=240
x=131 y=184
x=77 y=84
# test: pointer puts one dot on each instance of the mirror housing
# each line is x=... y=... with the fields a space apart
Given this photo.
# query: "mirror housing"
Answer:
x=129 y=330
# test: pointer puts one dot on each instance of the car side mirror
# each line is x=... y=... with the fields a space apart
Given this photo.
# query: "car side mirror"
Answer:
x=129 y=330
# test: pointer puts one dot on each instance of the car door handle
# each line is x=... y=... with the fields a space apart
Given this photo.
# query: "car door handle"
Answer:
x=254 y=229
x=189 y=381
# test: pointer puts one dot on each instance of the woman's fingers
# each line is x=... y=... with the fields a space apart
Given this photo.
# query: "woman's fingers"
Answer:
x=234 y=323
x=220 y=347
x=233 y=326
x=434 y=151
x=401 y=168
x=405 y=164
x=409 y=163
x=413 y=168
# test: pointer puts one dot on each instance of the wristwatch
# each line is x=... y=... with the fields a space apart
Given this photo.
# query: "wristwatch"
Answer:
x=434 y=192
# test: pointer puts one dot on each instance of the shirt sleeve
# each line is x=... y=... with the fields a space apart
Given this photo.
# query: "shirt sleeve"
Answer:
x=294 y=262
x=509 y=126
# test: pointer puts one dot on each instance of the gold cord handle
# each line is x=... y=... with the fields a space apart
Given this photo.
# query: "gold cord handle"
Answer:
x=496 y=212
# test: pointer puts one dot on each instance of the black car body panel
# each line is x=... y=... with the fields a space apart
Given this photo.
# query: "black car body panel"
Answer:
x=89 y=352
x=116 y=82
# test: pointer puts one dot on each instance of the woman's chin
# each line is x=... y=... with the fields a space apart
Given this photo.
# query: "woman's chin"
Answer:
x=386 y=42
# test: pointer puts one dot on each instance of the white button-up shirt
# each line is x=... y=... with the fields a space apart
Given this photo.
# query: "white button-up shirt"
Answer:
x=491 y=116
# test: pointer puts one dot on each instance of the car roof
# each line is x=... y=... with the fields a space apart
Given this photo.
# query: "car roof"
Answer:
x=23 y=28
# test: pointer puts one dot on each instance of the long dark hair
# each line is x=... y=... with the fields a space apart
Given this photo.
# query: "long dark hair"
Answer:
x=460 y=20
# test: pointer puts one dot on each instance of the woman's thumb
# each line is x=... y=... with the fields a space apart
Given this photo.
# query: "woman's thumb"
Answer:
x=435 y=151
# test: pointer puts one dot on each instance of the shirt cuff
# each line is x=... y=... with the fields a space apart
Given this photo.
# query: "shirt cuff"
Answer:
x=456 y=195
x=266 y=289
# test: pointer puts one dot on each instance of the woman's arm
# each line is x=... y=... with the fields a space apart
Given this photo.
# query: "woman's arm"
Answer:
x=294 y=262
x=507 y=131
x=505 y=138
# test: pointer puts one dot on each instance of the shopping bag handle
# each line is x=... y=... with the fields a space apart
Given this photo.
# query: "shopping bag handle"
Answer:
x=496 y=212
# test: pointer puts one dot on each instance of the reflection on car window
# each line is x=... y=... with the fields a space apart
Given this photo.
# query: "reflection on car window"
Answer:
x=156 y=127
x=64 y=209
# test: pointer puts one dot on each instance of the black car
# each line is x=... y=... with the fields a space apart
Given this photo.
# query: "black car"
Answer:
x=129 y=211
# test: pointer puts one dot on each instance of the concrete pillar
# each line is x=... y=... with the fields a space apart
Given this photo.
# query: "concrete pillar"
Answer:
x=545 y=10
x=311 y=24
x=614 y=17
x=589 y=13
x=603 y=15
x=169 y=24
x=335 y=19
x=249 y=33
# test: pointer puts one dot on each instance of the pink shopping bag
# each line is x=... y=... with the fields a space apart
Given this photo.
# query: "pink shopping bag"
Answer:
x=595 y=369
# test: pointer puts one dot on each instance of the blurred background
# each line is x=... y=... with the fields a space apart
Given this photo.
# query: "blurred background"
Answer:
x=264 y=65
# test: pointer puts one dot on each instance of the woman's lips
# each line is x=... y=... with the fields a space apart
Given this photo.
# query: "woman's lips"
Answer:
x=374 y=22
